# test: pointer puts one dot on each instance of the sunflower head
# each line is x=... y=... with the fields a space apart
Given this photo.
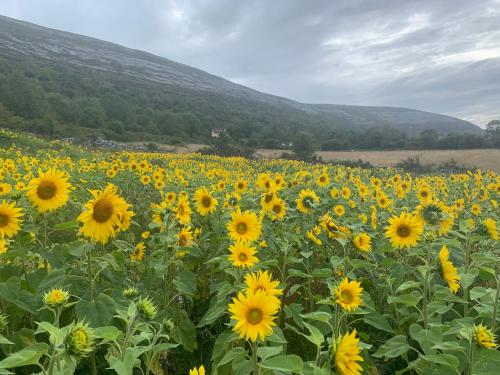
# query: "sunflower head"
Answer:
x=485 y=338
x=80 y=340
x=244 y=226
x=197 y=371
x=262 y=281
x=130 y=292
x=362 y=242
x=10 y=219
x=404 y=230
x=146 y=308
x=346 y=355
x=49 y=191
x=348 y=294
x=138 y=252
x=242 y=255
x=450 y=273
x=55 y=297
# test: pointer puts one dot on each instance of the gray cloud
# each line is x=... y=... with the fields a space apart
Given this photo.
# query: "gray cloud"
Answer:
x=441 y=55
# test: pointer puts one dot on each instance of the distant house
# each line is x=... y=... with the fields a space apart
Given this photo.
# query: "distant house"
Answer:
x=216 y=133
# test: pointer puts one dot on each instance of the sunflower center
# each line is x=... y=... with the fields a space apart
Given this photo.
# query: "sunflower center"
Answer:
x=240 y=186
x=4 y=220
x=182 y=241
x=403 y=231
x=346 y=296
x=103 y=210
x=277 y=208
x=423 y=194
x=322 y=179
x=46 y=190
x=241 y=228
x=242 y=257
x=260 y=287
x=206 y=201
x=255 y=316
x=268 y=198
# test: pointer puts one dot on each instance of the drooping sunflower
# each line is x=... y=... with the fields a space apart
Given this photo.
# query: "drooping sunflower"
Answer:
x=205 y=203
x=10 y=219
x=138 y=252
x=404 y=230
x=185 y=237
x=348 y=294
x=49 y=191
x=306 y=201
x=262 y=280
x=450 y=273
x=362 y=242
x=436 y=214
x=104 y=215
x=347 y=355
x=313 y=235
x=242 y=255
x=244 y=226
x=485 y=338
x=491 y=228
x=254 y=314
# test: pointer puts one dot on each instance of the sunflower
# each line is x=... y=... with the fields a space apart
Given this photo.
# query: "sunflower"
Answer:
x=3 y=246
x=404 y=231
x=170 y=198
x=436 y=214
x=145 y=179
x=339 y=210
x=197 y=371
x=262 y=281
x=10 y=219
x=49 y=191
x=138 y=252
x=56 y=297
x=362 y=242
x=105 y=215
x=244 y=226
x=424 y=194
x=242 y=255
x=205 y=203
x=306 y=201
x=476 y=209
x=347 y=355
x=323 y=180
x=241 y=186
x=267 y=199
x=185 y=237
x=313 y=235
x=450 y=274
x=254 y=314
x=484 y=337
x=491 y=228
x=348 y=294
x=5 y=189
x=183 y=211
x=278 y=209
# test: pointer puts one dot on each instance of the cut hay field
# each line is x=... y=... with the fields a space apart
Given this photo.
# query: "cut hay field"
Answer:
x=481 y=158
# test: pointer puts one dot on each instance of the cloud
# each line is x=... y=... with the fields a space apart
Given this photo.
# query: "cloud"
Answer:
x=441 y=56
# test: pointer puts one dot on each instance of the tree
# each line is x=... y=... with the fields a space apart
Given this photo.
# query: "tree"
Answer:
x=429 y=138
x=304 y=145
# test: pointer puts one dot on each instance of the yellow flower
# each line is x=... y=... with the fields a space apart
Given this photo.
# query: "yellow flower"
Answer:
x=138 y=252
x=197 y=371
x=10 y=219
x=476 y=209
x=278 y=208
x=242 y=255
x=306 y=201
x=244 y=227
x=347 y=355
x=484 y=337
x=491 y=228
x=404 y=231
x=104 y=215
x=313 y=235
x=49 y=191
x=205 y=203
x=185 y=237
x=241 y=186
x=55 y=297
x=323 y=179
x=362 y=242
x=183 y=211
x=339 y=210
x=80 y=340
x=145 y=235
x=5 y=189
x=262 y=281
x=3 y=246
x=254 y=314
x=348 y=294
x=450 y=274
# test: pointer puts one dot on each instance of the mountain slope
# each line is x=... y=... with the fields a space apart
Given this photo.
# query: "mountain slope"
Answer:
x=122 y=90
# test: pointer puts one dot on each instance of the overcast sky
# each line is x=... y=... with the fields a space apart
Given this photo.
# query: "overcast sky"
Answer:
x=439 y=56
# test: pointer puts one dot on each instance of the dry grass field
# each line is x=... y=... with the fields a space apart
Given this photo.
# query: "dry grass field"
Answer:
x=481 y=158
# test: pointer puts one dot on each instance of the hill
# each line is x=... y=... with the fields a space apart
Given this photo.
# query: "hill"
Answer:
x=60 y=84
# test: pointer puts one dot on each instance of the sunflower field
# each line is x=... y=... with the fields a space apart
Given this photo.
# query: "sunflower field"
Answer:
x=148 y=263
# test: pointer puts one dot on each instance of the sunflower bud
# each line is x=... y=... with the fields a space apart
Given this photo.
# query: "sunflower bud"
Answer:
x=146 y=308
x=130 y=292
x=3 y=322
x=80 y=340
x=55 y=297
x=168 y=325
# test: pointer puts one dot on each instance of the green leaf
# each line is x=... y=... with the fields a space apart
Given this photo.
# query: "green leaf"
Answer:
x=65 y=226
x=378 y=321
x=186 y=283
x=285 y=363
x=230 y=356
x=265 y=352
x=25 y=357
x=186 y=335
x=442 y=359
x=126 y=366
x=393 y=347
x=320 y=316
x=408 y=285
x=315 y=337
x=5 y=341
x=98 y=312
x=213 y=313
x=107 y=333
x=405 y=299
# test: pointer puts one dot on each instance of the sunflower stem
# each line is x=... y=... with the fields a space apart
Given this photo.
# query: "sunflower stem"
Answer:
x=254 y=358
x=495 y=307
x=89 y=275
